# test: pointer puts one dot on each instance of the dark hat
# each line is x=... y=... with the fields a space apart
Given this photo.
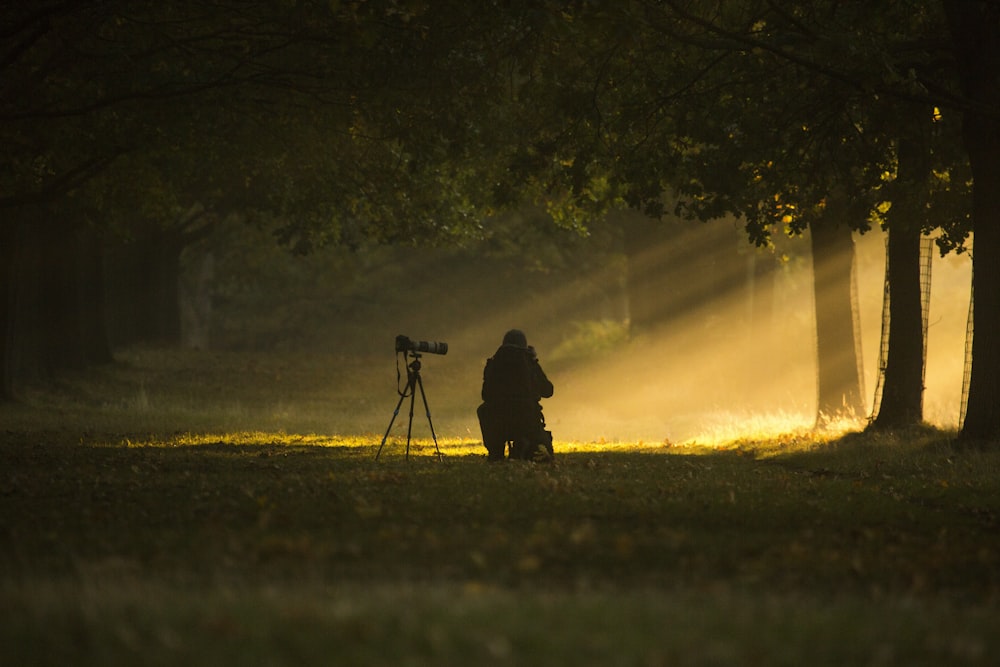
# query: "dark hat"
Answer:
x=515 y=337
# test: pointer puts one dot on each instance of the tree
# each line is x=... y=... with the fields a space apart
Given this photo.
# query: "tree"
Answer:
x=122 y=117
x=975 y=31
x=684 y=105
x=910 y=193
x=897 y=70
x=691 y=97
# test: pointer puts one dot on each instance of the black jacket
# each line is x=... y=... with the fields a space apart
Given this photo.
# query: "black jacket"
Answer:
x=513 y=375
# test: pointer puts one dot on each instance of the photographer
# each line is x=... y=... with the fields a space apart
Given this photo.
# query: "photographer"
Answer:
x=513 y=385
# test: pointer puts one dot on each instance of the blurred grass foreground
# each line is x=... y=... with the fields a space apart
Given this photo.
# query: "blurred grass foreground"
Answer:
x=168 y=510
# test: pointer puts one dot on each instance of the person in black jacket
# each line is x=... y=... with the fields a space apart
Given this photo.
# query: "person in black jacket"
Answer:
x=513 y=385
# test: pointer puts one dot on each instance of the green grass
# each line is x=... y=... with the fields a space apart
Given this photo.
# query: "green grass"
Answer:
x=171 y=530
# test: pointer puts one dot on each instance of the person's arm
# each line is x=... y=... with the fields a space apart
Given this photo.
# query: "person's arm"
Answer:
x=542 y=383
x=487 y=380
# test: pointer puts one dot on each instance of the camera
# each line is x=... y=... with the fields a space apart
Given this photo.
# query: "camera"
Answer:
x=404 y=344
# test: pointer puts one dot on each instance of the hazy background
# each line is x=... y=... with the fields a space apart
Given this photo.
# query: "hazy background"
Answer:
x=339 y=310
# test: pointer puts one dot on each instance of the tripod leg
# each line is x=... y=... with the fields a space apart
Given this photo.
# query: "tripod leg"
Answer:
x=394 y=414
x=409 y=427
x=428 y=411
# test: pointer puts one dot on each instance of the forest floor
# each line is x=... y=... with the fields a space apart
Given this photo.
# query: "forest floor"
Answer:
x=167 y=510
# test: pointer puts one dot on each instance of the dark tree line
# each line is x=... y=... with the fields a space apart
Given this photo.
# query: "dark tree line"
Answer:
x=131 y=128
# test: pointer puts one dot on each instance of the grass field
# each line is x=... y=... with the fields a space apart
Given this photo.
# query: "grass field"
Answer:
x=168 y=510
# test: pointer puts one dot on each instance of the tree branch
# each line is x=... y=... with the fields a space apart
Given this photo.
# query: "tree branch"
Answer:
x=60 y=185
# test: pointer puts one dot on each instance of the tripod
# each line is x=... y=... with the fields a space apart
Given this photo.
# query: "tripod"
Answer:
x=413 y=381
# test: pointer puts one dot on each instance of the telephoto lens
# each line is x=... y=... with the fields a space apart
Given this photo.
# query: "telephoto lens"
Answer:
x=404 y=344
x=431 y=347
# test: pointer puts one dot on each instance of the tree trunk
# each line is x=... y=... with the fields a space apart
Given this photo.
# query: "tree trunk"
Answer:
x=143 y=288
x=125 y=287
x=165 y=299
x=31 y=347
x=57 y=313
x=95 y=347
x=982 y=414
x=975 y=28
x=7 y=252
x=902 y=391
x=903 y=388
x=51 y=311
x=839 y=385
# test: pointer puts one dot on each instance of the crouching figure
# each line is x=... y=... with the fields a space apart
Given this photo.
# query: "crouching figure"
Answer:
x=513 y=386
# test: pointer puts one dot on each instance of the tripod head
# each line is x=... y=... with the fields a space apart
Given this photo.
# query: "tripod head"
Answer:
x=414 y=366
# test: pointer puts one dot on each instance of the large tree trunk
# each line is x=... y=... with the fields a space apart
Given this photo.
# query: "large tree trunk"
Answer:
x=52 y=309
x=975 y=30
x=69 y=318
x=143 y=288
x=31 y=346
x=982 y=414
x=839 y=383
x=902 y=391
x=903 y=388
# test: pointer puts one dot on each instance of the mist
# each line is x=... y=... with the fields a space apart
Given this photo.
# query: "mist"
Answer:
x=685 y=383
x=707 y=376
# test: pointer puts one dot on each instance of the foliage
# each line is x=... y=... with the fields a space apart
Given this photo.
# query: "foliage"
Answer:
x=264 y=297
x=401 y=122
x=296 y=111
x=763 y=111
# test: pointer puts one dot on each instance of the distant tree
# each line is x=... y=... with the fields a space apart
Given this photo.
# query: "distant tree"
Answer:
x=838 y=368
